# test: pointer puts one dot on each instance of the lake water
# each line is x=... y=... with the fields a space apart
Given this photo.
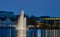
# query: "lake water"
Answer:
x=11 y=32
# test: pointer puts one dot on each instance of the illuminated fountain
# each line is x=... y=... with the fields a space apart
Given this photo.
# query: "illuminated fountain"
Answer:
x=21 y=25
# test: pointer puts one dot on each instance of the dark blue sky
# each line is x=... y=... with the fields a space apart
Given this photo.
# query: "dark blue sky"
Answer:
x=32 y=7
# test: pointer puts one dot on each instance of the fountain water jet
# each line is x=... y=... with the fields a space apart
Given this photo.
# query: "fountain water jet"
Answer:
x=21 y=25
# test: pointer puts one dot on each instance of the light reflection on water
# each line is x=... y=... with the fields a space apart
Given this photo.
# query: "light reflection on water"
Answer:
x=13 y=32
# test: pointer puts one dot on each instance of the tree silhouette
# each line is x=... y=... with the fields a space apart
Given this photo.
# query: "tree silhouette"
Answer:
x=32 y=20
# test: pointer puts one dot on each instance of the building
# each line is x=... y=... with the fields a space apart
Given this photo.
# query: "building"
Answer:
x=48 y=22
x=47 y=26
x=7 y=22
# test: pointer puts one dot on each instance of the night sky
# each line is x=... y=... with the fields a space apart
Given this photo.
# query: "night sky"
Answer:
x=32 y=7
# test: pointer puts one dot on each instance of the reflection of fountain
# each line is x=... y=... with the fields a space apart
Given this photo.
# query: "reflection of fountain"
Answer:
x=21 y=26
